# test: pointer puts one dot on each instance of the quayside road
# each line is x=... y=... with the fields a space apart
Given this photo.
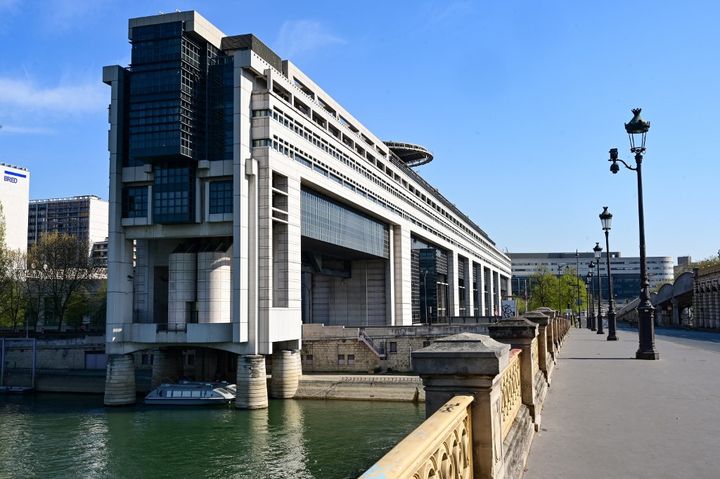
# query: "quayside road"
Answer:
x=609 y=415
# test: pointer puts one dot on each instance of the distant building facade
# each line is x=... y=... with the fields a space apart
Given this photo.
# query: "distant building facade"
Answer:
x=14 y=198
x=706 y=299
x=85 y=217
x=625 y=271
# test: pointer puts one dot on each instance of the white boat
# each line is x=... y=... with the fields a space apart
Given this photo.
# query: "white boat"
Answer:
x=190 y=393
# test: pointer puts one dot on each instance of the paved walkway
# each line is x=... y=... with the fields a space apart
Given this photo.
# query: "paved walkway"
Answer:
x=610 y=416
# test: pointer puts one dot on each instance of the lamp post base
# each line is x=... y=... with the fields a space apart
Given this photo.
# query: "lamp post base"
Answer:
x=612 y=338
x=651 y=355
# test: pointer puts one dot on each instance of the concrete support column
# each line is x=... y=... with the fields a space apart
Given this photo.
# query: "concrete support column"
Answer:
x=675 y=321
x=545 y=360
x=523 y=334
x=481 y=289
x=402 y=275
x=167 y=367
x=120 y=380
x=469 y=290
x=286 y=372
x=251 y=382
x=469 y=364
x=491 y=289
x=497 y=300
x=453 y=295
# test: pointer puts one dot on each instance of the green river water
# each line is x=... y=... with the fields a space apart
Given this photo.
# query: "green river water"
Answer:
x=73 y=436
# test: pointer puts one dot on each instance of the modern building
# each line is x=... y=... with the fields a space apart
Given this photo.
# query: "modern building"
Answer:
x=14 y=198
x=85 y=217
x=245 y=201
x=625 y=271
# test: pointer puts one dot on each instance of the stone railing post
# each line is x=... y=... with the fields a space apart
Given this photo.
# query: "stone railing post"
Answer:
x=469 y=363
x=522 y=334
x=545 y=348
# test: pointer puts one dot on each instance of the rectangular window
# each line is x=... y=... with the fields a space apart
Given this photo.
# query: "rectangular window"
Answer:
x=341 y=359
x=135 y=202
x=351 y=359
x=392 y=347
x=308 y=358
x=221 y=197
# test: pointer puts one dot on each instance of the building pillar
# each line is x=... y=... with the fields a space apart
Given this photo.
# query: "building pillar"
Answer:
x=491 y=289
x=120 y=380
x=545 y=360
x=402 y=272
x=453 y=294
x=523 y=334
x=481 y=290
x=469 y=364
x=497 y=299
x=286 y=372
x=167 y=367
x=251 y=382
x=469 y=288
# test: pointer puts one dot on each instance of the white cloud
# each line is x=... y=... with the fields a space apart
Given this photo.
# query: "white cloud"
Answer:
x=299 y=37
x=22 y=130
x=75 y=98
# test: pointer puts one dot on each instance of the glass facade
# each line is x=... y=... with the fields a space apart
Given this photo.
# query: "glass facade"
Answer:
x=173 y=195
x=168 y=94
x=221 y=197
x=135 y=202
x=330 y=222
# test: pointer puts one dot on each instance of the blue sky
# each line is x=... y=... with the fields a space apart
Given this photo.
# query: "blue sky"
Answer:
x=518 y=100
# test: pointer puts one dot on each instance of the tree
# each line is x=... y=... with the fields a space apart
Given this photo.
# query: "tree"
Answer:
x=13 y=296
x=555 y=292
x=60 y=266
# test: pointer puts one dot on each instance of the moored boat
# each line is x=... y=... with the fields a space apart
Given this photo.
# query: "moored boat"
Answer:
x=190 y=393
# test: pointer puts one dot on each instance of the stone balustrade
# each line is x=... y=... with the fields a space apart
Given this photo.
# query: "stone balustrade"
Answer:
x=484 y=397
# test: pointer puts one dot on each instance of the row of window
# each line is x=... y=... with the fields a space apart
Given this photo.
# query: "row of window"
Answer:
x=173 y=203
x=384 y=168
x=289 y=122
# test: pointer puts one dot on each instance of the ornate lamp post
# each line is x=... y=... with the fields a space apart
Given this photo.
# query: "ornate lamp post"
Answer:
x=587 y=301
x=591 y=323
x=637 y=130
x=606 y=220
x=598 y=251
x=577 y=283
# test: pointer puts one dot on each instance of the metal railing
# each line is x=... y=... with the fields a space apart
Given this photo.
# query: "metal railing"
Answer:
x=379 y=350
x=440 y=447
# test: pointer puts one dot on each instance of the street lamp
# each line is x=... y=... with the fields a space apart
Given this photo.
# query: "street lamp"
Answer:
x=637 y=130
x=606 y=220
x=591 y=323
x=598 y=251
x=577 y=283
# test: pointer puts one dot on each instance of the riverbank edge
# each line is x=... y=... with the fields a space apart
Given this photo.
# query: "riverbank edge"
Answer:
x=352 y=387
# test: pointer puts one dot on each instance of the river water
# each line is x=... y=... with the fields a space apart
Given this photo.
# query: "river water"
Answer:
x=50 y=435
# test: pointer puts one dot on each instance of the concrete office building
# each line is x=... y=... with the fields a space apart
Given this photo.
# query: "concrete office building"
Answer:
x=625 y=271
x=14 y=198
x=245 y=201
x=85 y=217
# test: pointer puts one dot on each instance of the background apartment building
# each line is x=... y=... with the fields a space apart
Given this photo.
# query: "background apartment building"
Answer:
x=625 y=270
x=14 y=198
x=85 y=217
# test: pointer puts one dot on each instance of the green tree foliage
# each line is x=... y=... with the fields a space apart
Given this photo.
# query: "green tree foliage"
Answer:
x=60 y=269
x=558 y=293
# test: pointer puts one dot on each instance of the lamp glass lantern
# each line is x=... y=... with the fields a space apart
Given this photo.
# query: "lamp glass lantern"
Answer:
x=637 y=129
x=597 y=250
x=606 y=219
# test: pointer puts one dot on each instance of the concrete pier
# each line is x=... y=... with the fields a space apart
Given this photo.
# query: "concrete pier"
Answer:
x=286 y=371
x=251 y=383
x=167 y=367
x=120 y=380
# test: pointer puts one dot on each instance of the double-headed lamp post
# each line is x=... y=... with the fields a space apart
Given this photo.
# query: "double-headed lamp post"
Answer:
x=637 y=130
x=598 y=251
x=591 y=322
x=606 y=220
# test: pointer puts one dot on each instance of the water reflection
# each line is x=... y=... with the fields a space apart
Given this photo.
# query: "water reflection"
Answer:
x=74 y=436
